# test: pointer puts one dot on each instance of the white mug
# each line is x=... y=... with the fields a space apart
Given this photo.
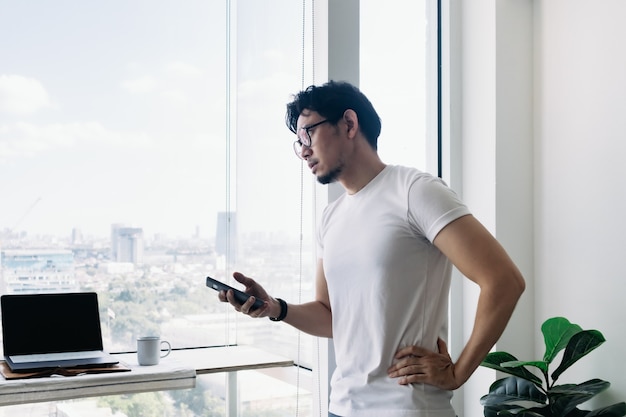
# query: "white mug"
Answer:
x=149 y=350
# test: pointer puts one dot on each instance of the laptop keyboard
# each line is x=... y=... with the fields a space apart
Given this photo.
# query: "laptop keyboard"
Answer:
x=39 y=357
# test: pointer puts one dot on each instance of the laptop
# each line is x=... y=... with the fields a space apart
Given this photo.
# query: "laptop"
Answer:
x=60 y=330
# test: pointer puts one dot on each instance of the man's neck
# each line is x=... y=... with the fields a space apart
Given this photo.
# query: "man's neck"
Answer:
x=354 y=180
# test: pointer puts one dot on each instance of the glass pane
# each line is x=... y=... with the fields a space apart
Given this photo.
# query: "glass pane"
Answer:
x=115 y=156
x=274 y=194
x=207 y=399
x=112 y=144
x=394 y=56
x=257 y=395
x=261 y=395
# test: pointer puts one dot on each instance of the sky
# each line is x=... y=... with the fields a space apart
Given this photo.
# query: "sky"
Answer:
x=116 y=112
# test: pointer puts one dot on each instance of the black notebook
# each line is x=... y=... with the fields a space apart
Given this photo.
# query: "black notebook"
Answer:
x=58 y=330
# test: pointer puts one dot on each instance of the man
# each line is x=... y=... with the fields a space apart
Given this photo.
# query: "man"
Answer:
x=385 y=250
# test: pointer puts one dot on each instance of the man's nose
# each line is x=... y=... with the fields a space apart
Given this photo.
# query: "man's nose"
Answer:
x=306 y=152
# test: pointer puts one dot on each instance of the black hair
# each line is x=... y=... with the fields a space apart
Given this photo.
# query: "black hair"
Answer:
x=331 y=100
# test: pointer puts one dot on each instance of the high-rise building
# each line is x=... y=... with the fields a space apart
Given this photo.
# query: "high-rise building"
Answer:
x=77 y=236
x=114 y=236
x=226 y=237
x=126 y=244
x=37 y=270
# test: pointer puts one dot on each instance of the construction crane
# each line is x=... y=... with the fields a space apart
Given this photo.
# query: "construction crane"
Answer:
x=30 y=208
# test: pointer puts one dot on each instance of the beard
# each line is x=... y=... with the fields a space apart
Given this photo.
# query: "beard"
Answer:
x=331 y=176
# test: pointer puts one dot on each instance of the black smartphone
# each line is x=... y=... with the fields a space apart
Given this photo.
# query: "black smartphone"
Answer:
x=240 y=296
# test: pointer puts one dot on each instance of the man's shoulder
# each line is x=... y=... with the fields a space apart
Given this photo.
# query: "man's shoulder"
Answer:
x=405 y=170
x=410 y=175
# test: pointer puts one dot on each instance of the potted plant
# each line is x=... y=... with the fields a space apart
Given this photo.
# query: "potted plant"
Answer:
x=526 y=394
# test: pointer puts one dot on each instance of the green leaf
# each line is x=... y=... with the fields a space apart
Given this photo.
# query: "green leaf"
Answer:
x=557 y=332
x=501 y=410
x=565 y=398
x=512 y=389
x=543 y=366
x=579 y=345
x=615 y=410
x=577 y=413
x=513 y=410
x=494 y=360
x=532 y=412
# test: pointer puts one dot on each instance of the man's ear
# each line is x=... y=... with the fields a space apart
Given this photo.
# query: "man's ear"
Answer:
x=352 y=122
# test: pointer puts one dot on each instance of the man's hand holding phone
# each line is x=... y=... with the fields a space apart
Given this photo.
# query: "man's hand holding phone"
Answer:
x=253 y=301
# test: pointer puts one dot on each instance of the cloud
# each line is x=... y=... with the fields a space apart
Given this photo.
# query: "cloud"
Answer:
x=183 y=69
x=175 y=97
x=141 y=85
x=22 y=95
x=25 y=139
x=169 y=81
x=19 y=140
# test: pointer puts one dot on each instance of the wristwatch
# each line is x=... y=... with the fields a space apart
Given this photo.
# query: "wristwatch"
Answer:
x=283 y=310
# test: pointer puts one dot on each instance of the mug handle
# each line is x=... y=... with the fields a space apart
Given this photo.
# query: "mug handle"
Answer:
x=169 y=348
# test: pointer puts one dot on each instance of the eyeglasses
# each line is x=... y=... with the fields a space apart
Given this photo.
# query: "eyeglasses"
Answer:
x=304 y=137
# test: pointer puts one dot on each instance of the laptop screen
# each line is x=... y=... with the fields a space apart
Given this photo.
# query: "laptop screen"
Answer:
x=50 y=323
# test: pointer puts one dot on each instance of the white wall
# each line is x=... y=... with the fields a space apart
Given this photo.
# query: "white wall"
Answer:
x=543 y=143
x=496 y=143
x=580 y=177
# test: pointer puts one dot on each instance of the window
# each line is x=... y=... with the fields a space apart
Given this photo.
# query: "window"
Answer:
x=112 y=150
x=398 y=71
x=273 y=194
x=143 y=147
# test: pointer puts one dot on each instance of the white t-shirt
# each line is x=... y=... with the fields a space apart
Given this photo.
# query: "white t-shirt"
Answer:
x=388 y=287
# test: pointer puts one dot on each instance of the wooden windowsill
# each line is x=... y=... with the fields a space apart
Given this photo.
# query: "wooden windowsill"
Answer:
x=176 y=371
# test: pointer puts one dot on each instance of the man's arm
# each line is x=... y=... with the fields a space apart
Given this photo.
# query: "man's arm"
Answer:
x=314 y=317
x=478 y=256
